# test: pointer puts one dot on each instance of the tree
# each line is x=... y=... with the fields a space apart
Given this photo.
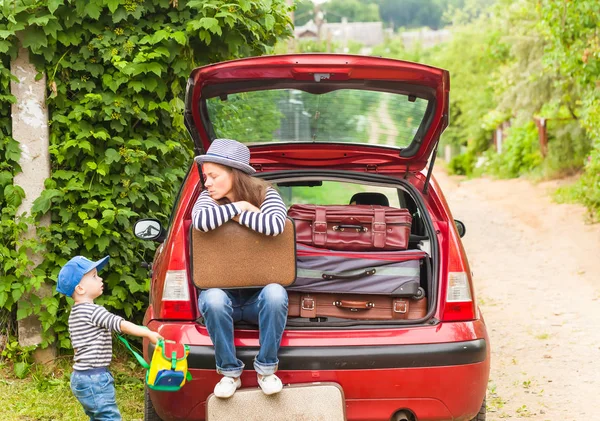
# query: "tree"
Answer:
x=353 y=10
x=410 y=13
x=572 y=30
x=304 y=12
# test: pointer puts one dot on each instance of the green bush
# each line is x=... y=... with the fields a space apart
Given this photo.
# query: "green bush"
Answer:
x=520 y=152
x=587 y=189
x=568 y=148
x=117 y=73
x=463 y=164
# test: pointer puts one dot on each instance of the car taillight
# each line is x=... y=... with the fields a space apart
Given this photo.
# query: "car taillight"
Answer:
x=459 y=289
x=458 y=299
x=176 y=303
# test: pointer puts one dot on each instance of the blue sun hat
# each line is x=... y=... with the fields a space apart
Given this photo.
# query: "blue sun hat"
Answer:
x=230 y=153
x=71 y=273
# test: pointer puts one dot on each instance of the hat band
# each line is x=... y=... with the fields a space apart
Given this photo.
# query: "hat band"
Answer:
x=223 y=156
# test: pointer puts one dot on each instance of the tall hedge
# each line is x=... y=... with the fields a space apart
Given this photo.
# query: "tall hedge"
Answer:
x=116 y=73
x=574 y=48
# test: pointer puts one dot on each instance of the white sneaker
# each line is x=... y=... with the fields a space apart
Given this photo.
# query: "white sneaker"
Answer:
x=270 y=384
x=227 y=387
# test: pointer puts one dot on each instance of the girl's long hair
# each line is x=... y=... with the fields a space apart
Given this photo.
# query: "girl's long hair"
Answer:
x=247 y=188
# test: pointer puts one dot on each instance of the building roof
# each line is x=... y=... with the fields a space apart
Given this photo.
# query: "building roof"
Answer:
x=367 y=33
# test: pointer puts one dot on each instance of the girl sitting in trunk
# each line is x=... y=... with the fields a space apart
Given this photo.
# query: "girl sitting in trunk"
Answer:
x=232 y=194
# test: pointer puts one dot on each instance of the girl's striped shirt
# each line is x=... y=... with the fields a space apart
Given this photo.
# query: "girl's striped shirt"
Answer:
x=207 y=214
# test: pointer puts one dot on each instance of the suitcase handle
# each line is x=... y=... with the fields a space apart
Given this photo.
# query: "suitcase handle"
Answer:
x=358 y=228
x=354 y=305
x=366 y=272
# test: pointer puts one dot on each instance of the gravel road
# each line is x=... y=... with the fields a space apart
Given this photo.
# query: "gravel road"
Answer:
x=536 y=267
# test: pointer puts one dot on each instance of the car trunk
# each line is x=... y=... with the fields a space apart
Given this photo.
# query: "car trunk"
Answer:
x=314 y=117
x=422 y=242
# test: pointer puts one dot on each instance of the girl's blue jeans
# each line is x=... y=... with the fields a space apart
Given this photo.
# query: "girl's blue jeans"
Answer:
x=95 y=390
x=266 y=307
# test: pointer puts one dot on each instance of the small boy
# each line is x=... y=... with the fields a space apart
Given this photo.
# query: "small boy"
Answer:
x=90 y=328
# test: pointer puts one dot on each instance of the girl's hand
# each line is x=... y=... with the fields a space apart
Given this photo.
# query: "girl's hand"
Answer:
x=154 y=337
x=247 y=206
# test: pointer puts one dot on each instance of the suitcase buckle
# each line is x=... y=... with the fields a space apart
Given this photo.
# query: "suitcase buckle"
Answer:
x=308 y=304
x=379 y=226
x=320 y=227
x=400 y=307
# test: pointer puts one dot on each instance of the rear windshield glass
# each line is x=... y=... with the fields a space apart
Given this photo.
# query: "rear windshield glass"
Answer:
x=344 y=115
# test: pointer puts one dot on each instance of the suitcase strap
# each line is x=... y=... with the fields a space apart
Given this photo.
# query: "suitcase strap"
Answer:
x=319 y=230
x=320 y=226
x=379 y=228
x=400 y=308
x=308 y=307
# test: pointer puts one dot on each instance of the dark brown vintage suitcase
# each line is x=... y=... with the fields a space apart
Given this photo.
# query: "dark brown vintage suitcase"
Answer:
x=234 y=256
x=352 y=227
x=355 y=306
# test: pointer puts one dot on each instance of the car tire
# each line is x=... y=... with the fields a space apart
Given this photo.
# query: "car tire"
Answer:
x=149 y=412
x=482 y=411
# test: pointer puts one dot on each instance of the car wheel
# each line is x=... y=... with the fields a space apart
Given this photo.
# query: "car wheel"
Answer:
x=481 y=415
x=149 y=412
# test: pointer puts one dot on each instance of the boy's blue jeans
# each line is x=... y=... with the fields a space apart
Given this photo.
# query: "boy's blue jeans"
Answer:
x=95 y=390
x=266 y=307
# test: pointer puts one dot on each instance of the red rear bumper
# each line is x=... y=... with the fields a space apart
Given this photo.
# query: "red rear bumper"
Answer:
x=384 y=371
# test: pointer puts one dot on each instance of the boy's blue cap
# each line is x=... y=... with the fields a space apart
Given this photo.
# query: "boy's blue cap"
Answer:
x=71 y=273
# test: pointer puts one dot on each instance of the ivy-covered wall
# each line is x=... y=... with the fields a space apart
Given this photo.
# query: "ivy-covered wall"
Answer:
x=116 y=78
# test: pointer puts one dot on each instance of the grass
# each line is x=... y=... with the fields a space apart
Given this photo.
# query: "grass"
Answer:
x=494 y=402
x=575 y=193
x=45 y=395
x=331 y=192
x=524 y=412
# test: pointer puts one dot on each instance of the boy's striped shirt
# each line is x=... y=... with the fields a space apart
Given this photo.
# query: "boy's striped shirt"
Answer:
x=90 y=328
x=207 y=214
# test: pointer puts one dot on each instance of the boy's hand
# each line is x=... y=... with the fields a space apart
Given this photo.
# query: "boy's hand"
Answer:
x=154 y=337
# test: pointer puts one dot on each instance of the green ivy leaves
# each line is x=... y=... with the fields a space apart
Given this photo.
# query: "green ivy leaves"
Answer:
x=116 y=73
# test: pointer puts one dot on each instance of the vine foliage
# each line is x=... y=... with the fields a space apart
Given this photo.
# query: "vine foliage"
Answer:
x=116 y=74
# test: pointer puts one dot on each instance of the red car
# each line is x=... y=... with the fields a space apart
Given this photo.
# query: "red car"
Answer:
x=320 y=128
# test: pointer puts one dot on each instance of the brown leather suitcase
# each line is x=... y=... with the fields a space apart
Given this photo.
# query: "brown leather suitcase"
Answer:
x=234 y=256
x=352 y=227
x=355 y=306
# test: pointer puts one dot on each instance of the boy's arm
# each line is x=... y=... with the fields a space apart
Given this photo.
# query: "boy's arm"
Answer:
x=135 y=330
x=104 y=318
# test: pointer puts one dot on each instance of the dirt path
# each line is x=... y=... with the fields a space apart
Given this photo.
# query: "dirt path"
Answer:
x=536 y=267
x=382 y=130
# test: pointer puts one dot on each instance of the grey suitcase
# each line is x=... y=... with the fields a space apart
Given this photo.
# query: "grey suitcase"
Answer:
x=395 y=273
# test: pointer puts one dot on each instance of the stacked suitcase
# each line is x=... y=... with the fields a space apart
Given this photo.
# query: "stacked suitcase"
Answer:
x=353 y=263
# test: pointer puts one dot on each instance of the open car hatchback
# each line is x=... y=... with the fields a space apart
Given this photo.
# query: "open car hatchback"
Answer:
x=321 y=128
